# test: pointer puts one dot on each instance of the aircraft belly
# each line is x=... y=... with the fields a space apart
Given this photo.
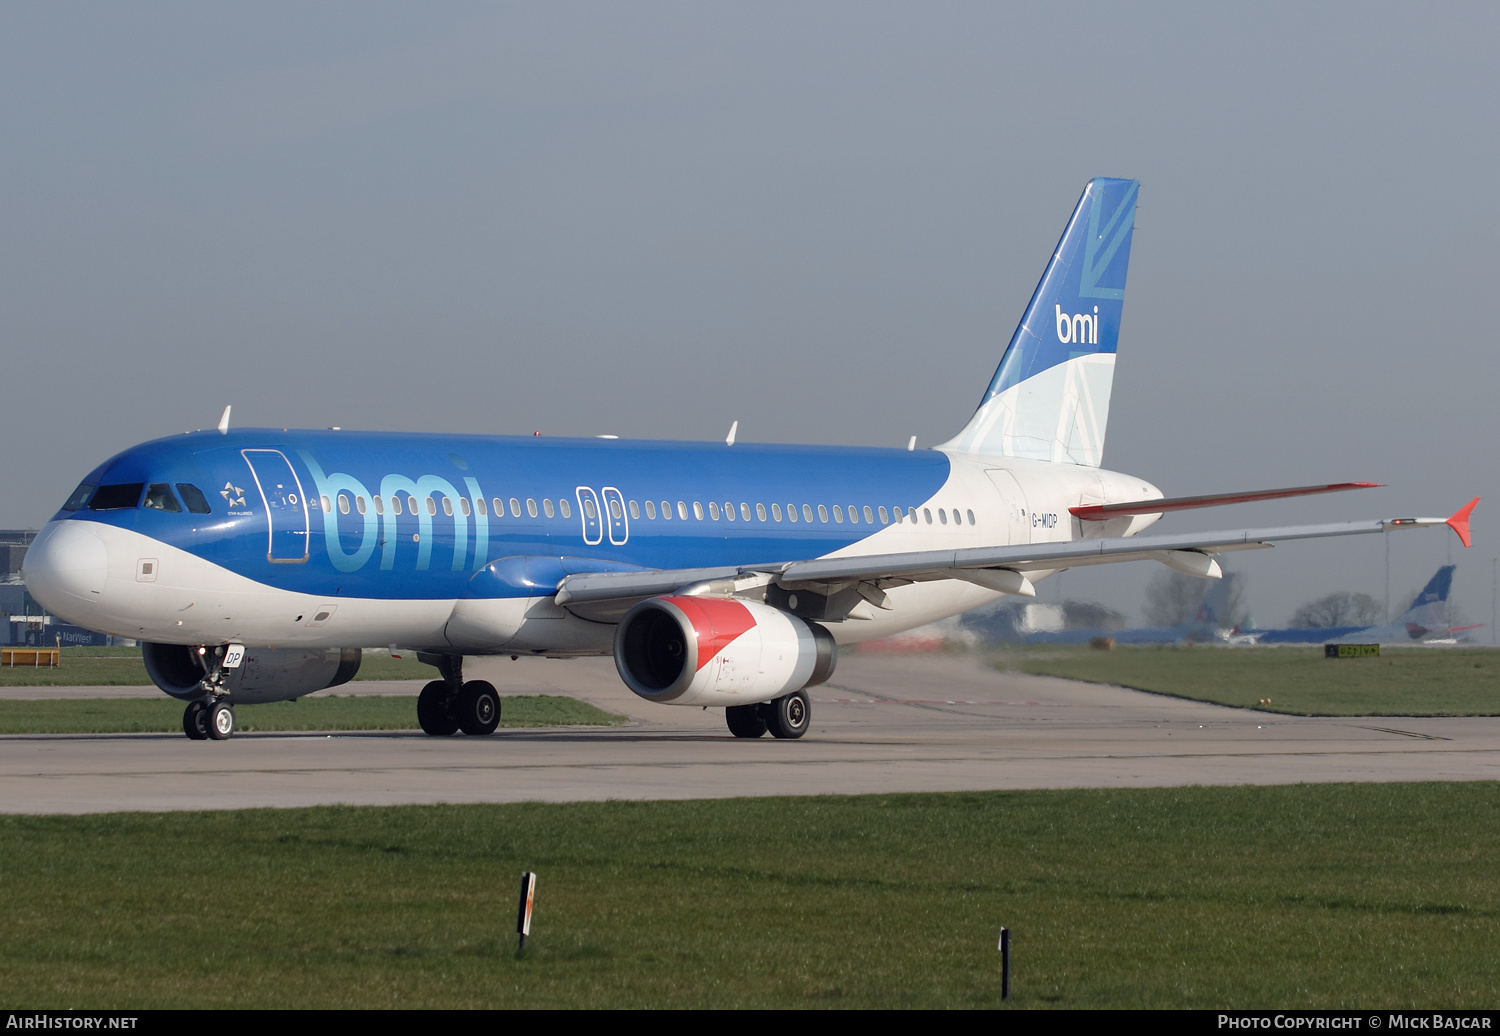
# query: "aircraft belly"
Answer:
x=914 y=605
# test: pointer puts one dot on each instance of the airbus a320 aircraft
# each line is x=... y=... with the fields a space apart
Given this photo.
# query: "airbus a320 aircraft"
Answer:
x=255 y=564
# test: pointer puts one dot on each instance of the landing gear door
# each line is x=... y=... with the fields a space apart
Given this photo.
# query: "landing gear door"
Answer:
x=588 y=511
x=614 y=513
x=286 y=505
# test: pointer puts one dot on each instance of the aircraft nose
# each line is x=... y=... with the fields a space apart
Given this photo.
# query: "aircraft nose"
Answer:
x=66 y=563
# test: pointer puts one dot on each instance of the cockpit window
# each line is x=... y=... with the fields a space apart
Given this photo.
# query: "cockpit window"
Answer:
x=196 y=502
x=79 y=498
x=117 y=497
x=159 y=498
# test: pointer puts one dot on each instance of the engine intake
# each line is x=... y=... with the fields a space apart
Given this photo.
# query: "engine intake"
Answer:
x=719 y=651
x=265 y=675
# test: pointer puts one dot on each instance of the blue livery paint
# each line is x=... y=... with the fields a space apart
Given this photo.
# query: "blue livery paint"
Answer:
x=1076 y=308
x=266 y=490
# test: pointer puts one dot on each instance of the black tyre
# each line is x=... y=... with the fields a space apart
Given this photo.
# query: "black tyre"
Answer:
x=220 y=716
x=195 y=721
x=789 y=717
x=478 y=708
x=435 y=710
x=746 y=720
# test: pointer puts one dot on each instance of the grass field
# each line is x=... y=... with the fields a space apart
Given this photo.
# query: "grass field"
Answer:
x=1300 y=681
x=1309 y=896
x=122 y=667
x=319 y=712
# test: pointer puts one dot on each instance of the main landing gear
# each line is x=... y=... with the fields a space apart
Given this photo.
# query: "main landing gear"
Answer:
x=452 y=704
x=786 y=718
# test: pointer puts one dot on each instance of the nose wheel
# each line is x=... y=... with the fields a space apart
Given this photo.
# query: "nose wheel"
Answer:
x=203 y=721
x=195 y=721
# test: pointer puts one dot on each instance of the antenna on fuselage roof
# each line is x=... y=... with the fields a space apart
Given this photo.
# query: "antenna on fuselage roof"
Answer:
x=911 y=444
x=729 y=439
x=224 y=421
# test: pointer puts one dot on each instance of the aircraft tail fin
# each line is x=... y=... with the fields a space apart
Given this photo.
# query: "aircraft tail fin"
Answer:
x=1430 y=609
x=1049 y=398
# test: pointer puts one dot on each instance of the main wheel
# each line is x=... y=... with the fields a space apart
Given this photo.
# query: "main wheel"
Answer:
x=435 y=710
x=220 y=721
x=478 y=708
x=195 y=721
x=788 y=717
x=746 y=720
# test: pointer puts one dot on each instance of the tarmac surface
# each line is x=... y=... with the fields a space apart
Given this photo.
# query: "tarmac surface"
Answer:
x=915 y=723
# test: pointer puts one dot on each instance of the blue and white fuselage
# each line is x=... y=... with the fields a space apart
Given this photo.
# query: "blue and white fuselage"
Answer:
x=443 y=543
x=255 y=563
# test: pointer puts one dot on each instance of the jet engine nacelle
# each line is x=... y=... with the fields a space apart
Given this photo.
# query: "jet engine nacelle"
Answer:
x=266 y=674
x=719 y=651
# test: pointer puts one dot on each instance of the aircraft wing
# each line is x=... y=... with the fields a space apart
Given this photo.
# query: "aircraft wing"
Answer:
x=999 y=568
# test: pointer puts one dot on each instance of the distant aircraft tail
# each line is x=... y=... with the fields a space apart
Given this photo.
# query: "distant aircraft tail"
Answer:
x=1429 y=612
x=1049 y=398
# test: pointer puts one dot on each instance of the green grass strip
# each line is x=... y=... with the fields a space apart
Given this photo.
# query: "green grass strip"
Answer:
x=122 y=667
x=320 y=712
x=1321 y=896
x=1299 y=681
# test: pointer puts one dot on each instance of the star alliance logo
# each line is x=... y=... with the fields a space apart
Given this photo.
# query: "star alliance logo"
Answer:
x=233 y=495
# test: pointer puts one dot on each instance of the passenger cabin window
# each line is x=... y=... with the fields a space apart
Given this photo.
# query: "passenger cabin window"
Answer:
x=971 y=518
x=697 y=510
x=838 y=514
x=682 y=510
x=566 y=508
x=650 y=509
x=807 y=513
x=531 y=507
x=635 y=511
x=117 y=497
x=380 y=505
x=822 y=514
x=885 y=518
x=547 y=508
x=448 y=507
x=515 y=508
x=869 y=518
x=463 y=505
x=196 y=502
x=776 y=512
x=327 y=504
x=432 y=505
x=79 y=498
x=499 y=507
x=760 y=512
x=343 y=504
x=159 y=498
x=713 y=511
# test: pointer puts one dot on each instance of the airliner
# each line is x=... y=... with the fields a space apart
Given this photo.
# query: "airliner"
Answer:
x=1424 y=622
x=255 y=564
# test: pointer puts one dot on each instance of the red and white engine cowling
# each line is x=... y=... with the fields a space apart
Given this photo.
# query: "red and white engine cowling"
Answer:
x=719 y=651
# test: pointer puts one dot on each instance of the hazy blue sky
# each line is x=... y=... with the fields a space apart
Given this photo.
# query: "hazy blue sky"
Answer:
x=820 y=219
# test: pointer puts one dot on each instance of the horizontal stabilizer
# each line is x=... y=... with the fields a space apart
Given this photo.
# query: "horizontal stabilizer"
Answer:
x=1101 y=512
